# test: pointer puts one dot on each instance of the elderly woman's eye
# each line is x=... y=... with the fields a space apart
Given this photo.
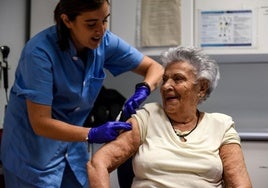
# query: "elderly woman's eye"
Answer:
x=178 y=79
x=164 y=79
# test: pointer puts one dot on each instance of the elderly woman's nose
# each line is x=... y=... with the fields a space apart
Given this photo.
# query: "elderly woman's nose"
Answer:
x=168 y=84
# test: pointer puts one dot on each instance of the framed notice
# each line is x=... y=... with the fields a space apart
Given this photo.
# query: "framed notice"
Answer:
x=226 y=28
x=159 y=23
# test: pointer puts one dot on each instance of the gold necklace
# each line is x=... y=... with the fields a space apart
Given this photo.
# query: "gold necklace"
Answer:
x=182 y=136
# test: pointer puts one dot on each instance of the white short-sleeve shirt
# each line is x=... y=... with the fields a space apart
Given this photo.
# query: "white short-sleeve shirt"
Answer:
x=163 y=160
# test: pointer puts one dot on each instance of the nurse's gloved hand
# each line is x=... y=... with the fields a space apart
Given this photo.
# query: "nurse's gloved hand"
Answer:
x=142 y=91
x=107 y=132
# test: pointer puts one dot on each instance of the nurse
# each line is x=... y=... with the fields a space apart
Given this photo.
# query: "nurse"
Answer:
x=59 y=75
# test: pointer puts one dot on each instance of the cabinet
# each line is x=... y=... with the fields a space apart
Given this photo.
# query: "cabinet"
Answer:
x=255 y=154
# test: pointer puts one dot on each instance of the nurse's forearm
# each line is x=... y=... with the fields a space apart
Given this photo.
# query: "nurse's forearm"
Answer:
x=59 y=130
x=44 y=125
x=154 y=76
x=152 y=72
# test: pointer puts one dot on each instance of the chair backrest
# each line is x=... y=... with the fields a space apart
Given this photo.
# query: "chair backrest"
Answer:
x=107 y=106
x=125 y=174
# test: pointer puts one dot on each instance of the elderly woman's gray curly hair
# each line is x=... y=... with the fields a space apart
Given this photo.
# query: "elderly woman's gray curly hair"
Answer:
x=206 y=68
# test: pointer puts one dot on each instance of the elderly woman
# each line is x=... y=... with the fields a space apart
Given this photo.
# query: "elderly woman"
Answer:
x=175 y=144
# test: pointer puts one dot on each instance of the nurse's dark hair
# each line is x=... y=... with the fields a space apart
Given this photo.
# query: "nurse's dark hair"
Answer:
x=72 y=8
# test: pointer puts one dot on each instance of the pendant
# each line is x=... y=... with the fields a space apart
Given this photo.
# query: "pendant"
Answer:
x=183 y=139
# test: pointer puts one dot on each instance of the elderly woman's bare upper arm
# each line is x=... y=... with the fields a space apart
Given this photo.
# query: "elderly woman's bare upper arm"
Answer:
x=114 y=153
x=235 y=172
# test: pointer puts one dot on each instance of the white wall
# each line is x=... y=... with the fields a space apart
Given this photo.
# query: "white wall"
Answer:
x=42 y=15
x=12 y=34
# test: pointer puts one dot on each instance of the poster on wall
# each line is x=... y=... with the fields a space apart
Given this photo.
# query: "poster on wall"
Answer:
x=159 y=23
x=226 y=28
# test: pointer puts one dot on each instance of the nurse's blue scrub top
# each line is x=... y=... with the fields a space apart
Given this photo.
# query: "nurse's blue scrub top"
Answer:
x=49 y=76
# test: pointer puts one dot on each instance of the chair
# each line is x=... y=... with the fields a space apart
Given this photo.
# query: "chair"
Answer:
x=125 y=174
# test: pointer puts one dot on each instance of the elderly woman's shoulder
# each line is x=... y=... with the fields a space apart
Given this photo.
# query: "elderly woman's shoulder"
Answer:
x=152 y=105
x=219 y=116
x=153 y=108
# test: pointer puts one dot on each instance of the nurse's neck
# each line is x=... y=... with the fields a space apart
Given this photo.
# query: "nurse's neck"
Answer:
x=83 y=54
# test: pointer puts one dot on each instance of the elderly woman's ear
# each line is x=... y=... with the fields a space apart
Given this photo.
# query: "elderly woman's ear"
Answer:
x=203 y=87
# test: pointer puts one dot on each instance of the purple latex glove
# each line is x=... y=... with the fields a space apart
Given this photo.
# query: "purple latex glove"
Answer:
x=141 y=93
x=107 y=132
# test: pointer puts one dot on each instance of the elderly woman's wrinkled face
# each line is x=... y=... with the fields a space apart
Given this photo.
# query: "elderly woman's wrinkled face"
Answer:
x=179 y=89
